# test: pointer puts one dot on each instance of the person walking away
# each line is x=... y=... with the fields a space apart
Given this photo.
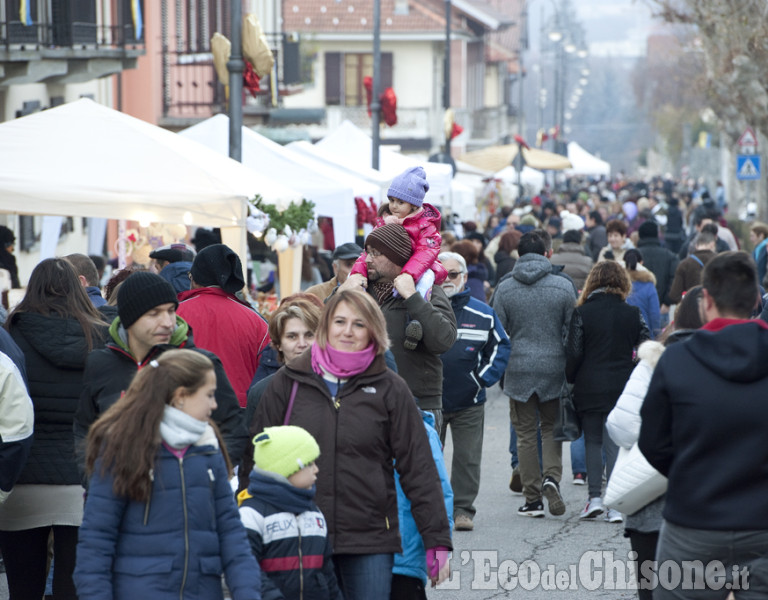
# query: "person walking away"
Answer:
x=55 y=325
x=221 y=322
x=687 y=428
x=534 y=306
x=603 y=334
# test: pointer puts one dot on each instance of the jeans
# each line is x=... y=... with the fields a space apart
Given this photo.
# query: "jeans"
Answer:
x=467 y=427
x=746 y=549
x=596 y=439
x=364 y=576
x=578 y=456
x=525 y=417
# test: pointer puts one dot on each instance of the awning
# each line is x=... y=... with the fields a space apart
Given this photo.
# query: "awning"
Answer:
x=495 y=158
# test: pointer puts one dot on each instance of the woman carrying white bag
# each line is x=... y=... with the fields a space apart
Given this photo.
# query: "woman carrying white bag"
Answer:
x=635 y=486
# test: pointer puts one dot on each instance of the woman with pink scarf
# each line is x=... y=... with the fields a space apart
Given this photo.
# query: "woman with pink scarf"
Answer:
x=363 y=417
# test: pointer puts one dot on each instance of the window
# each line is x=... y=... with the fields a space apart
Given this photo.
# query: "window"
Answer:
x=344 y=74
x=401 y=7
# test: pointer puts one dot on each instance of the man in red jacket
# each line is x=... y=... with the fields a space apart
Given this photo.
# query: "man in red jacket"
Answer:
x=221 y=322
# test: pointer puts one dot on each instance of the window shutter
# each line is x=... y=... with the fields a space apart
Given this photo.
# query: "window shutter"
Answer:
x=386 y=70
x=333 y=78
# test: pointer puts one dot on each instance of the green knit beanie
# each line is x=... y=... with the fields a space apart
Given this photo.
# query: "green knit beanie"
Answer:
x=284 y=450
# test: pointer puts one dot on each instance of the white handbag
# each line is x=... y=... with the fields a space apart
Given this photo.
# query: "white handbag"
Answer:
x=634 y=483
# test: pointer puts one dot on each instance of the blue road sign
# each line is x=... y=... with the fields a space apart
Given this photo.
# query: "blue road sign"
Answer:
x=747 y=167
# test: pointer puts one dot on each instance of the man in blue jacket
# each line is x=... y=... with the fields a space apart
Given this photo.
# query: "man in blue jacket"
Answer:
x=704 y=421
x=476 y=360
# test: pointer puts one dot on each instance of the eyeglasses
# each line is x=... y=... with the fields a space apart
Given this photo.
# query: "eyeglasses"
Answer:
x=454 y=274
x=374 y=253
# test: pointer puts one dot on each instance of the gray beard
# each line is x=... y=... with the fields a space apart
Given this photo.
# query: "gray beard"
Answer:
x=450 y=289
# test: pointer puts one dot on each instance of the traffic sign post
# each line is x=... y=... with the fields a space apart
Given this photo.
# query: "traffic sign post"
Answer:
x=748 y=167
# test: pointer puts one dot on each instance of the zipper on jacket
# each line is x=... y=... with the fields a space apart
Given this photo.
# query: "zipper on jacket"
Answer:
x=149 y=500
x=186 y=528
x=301 y=561
x=386 y=522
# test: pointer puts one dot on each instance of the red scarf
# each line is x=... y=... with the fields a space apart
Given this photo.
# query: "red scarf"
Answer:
x=341 y=364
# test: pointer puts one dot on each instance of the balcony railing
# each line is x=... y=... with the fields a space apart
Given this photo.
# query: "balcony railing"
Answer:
x=14 y=35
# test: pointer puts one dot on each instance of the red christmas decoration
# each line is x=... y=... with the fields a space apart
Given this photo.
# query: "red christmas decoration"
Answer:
x=250 y=79
x=522 y=142
x=368 y=85
x=389 y=107
x=387 y=99
x=366 y=212
x=456 y=130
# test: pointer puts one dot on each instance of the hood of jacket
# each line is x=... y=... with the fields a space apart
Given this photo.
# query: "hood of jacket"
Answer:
x=642 y=275
x=119 y=336
x=70 y=349
x=736 y=352
x=571 y=248
x=530 y=268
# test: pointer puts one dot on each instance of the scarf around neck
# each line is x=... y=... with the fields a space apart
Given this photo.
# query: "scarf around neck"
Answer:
x=383 y=290
x=179 y=430
x=341 y=364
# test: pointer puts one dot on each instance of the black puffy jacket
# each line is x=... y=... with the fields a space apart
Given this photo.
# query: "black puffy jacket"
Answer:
x=55 y=350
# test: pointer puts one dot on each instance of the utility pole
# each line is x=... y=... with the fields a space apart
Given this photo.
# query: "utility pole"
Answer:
x=375 y=102
x=236 y=66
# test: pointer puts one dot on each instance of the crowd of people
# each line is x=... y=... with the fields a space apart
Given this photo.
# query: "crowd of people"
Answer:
x=181 y=437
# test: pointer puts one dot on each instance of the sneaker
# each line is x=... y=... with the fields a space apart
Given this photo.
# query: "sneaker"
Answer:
x=413 y=335
x=613 y=516
x=463 y=523
x=532 y=509
x=593 y=508
x=552 y=493
x=579 y=479
x=516 y=484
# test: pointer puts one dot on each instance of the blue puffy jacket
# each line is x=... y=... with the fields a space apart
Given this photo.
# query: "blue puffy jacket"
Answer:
x=412 y=561
x=175 y=546
x=479 y=356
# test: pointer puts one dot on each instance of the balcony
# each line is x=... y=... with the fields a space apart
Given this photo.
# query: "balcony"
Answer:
x=65 y=51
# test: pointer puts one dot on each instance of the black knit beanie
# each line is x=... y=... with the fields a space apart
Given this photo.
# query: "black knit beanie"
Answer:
x=218 y=265
x=141 y=292
x=393 y=241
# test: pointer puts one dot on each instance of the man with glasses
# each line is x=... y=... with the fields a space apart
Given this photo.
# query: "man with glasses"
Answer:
x=475 y=361
x=388 y=249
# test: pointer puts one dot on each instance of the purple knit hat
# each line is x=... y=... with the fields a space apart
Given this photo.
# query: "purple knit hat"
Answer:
x=410 y=186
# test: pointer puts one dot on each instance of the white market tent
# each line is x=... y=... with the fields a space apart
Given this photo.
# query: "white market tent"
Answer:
x=528 y=176
x=369 y=182
x=83 y=159
x=585 y=163
x=333 y=195
x=351 y=146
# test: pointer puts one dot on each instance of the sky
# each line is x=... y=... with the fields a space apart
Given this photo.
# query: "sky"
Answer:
x=613 y=27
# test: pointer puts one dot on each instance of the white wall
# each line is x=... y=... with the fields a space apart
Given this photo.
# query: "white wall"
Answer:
x=413 y=74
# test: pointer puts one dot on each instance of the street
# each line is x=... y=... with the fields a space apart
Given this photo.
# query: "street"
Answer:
x=562 y=548
x=500 y=535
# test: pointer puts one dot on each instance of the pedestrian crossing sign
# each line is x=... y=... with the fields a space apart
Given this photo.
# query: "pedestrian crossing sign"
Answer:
x=747 y=167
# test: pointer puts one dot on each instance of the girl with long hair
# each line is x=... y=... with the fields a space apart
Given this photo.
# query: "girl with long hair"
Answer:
x=160 y=519
x=56 y=326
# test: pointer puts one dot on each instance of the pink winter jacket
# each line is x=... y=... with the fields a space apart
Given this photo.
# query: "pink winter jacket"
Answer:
x=424 y=231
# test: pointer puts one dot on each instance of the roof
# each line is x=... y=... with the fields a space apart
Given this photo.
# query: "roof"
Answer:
x=340 y=17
